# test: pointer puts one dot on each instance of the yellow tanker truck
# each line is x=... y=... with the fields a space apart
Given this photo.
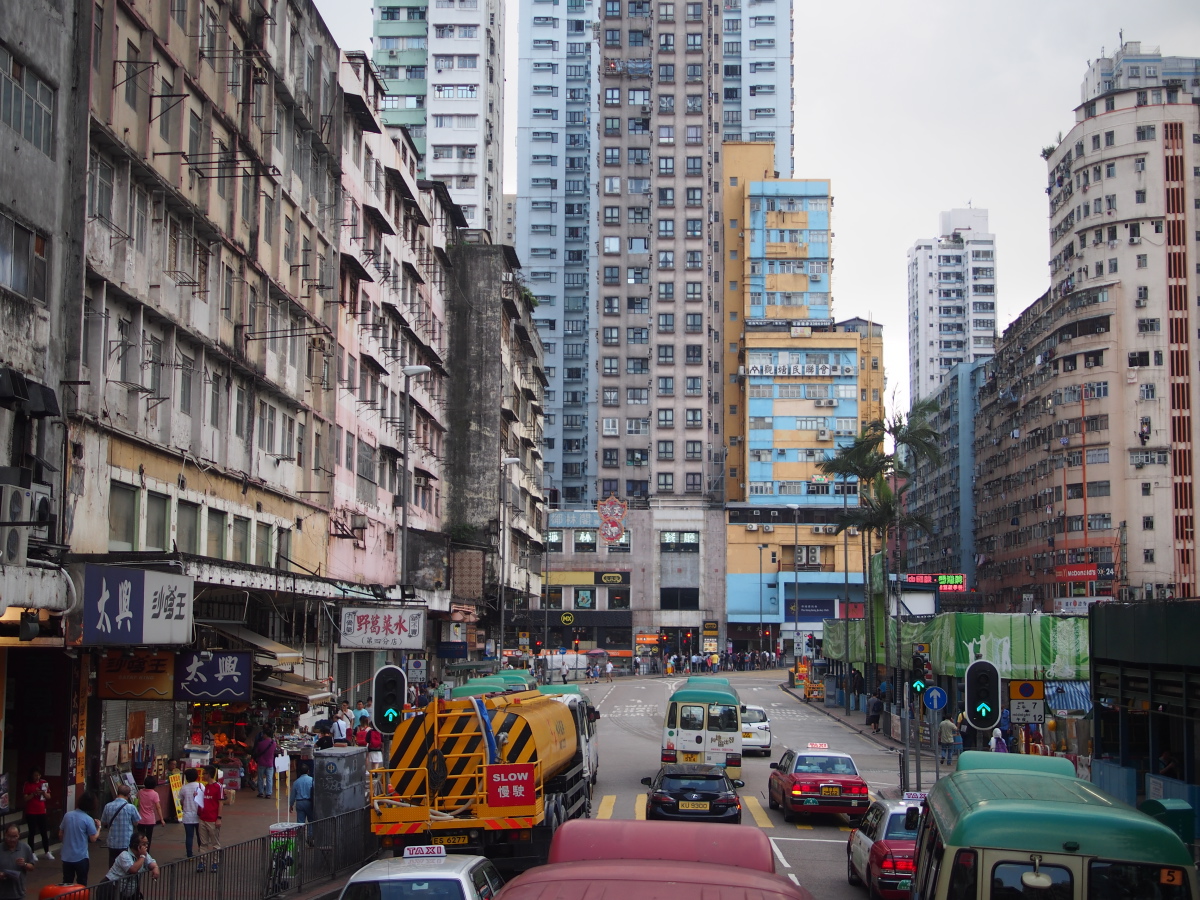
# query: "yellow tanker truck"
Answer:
x=493 y=775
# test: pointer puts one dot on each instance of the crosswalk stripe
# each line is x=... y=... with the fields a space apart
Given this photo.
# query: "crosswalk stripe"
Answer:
x=606 y=806
x=639 y=807
x=761 y=819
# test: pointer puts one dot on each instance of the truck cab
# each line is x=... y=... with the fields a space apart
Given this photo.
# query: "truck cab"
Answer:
x=586 y=716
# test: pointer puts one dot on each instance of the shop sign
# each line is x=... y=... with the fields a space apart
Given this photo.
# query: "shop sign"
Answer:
x=710 y=627
x=383 y=629
x=136 y=606
x=147 y=675
x=1078 y=572
x=811 y=608
x=213 y=677
x=650 y=639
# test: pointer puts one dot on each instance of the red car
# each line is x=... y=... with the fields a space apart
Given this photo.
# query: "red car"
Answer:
x=880 y=851
x=817 y=781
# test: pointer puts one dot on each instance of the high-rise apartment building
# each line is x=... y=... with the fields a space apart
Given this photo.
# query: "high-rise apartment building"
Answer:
x=757 y=93
x=556 y=241
x=1086 y=433
x=799 y=386
x=443 y=68
x=951 y=299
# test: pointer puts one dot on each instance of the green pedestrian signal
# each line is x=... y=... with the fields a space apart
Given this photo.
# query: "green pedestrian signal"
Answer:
x=389 y=694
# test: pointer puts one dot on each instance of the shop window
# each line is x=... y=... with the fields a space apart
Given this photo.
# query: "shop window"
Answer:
x=187 y=527
x=553 y=598
x=618 y=598
x=157 y=521
x=216 y=533
x=122 y=515
x=585 y=541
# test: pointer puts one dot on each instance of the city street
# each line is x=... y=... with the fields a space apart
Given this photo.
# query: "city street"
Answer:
x=813 y=851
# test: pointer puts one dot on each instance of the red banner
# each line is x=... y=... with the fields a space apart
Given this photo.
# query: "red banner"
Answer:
x=1077 y=572
x=511 y=785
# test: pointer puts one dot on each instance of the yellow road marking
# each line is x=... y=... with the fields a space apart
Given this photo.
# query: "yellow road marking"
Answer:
x=639 y=807
x=805 y=827
x=845 y=828
x=606 y=806
x=761 y=819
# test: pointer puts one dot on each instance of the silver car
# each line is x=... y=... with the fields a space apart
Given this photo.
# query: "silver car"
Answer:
x=452 y=877
x=756 y=731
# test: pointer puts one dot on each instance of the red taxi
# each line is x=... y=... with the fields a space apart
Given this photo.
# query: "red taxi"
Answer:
x=880 y=851
x=817 y=780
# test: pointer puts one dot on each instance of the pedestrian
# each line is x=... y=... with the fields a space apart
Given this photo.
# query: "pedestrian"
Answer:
x=150 y=809
x=121 y=818
x=856 y=689
x=264 y=753
x=16 y=860
x=361 y=712
x=300 y=799
x=1167 y=765
x=77 y=829
x=608 y=670
x=874 y=709
x=283 y=769
x=129 y=866
x=340 y=729
x=374 y=745
x=324 y=738
x=1006 y=723
x=37 y=792
x=997 y=744
x=191 y=797
x=564 y=671
x=210 y=817
x=946 y=735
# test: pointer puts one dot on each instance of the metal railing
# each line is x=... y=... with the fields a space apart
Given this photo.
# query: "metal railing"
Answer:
x=275 y=865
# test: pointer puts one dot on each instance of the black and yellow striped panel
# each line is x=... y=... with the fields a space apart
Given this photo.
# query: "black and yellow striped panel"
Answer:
x=463 y=746
x=411 y=743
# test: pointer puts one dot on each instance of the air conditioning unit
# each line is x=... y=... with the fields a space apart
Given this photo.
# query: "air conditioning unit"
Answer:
x=647 y=109
x=420 y=481
x=815 y=276
x=823 y=434
x=14 y=540
x=831 y=529
x=852 y=531
x=1140 y=302
x=768 y=528
x=817 y=529
x=41 y=509
x=1135 y=240
x=750 y=526
x=1139 y=465
x=392 y=54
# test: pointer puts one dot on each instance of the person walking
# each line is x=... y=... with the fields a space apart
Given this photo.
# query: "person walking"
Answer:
x=210 y=817
x=191 y=797
x=874 y=710
x=564 y=670
x=300 y=799
x=77 y=829
x=121 y=818
x=36 y=793
x=608 y=670
x=264 y=753
x=124 y=874
x=16 y=861
x=150 y=809
x=946 y=735
x=997 y=744
x=856 y=689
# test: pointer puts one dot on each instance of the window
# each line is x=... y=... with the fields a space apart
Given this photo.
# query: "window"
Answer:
x=122 y=516
x=585 y=541
x=1145 y=132
x=26 y=103
x=23 y=257
x=666 y=418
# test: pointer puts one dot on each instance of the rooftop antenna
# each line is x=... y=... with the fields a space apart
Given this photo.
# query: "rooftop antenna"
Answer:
x=1121 y=35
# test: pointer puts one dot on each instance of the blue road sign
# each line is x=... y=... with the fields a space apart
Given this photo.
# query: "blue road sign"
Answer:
x=935 y=698
x=562 y=651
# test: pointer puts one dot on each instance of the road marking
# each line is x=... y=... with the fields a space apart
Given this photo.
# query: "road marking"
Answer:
x=779 y=854
x=809 y=840
x=805 y=827
x=606 y=806
x=846 y=828
x=761 y=819
x=639 y=807
x=794 y=878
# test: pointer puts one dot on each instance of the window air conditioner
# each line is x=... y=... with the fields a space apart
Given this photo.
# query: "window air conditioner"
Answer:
x=1140 y=303
x=768 y=528
x=815 y=276
x=817 y=529
x=823 y=434
x=751 y=527
x=852 y=531
x=1135 y=240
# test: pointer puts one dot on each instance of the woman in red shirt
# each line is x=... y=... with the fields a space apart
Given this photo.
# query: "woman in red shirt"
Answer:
x=37 y=792
x=150 y=807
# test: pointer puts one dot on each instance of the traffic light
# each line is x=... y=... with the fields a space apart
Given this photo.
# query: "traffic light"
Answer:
x=390 y=694
x=810 y=642
x=537 y=647
x=982 y=691
x=576 y=645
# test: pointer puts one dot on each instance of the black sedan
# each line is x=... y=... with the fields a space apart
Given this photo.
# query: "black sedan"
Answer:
x=693 y=793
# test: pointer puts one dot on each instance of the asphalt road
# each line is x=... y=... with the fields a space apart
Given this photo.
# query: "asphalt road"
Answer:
x=811 y=851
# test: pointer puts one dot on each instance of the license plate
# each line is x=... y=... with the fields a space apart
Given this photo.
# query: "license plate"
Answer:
x=747 y=734
x=811 y=801
x=905 y=885
x=831 y=791
x=691 y=757
x=693 y=804
x=450 y=839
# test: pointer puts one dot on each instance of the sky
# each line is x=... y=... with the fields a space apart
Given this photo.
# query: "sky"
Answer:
x=915 y=108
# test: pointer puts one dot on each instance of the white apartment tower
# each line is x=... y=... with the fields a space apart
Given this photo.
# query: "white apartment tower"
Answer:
x=951 y=299
x=758 y=95
x=555 y=206
x=443 y=68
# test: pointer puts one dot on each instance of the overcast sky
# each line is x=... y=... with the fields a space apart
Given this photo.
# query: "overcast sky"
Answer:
x=911 y=109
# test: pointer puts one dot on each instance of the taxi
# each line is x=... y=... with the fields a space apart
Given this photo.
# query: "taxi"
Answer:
x=880 y=851
x=817 y=780
x=427 y=873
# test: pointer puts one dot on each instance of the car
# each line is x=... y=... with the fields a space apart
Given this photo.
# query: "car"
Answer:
x=756 y=731
x=692 y=792
x=880 y=851
x=425 y=873
x=817 y=780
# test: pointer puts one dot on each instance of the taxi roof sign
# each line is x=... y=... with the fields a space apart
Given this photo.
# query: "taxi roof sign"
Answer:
x=1026 y=690
x=818 y=746
x=424 y=851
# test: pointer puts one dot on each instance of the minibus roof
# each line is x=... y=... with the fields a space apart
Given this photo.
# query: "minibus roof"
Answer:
x=716 y=693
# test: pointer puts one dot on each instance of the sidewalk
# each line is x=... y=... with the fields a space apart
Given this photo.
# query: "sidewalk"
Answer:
x=246 y=818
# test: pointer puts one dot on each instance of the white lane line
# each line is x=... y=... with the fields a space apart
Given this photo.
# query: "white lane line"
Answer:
x=795 y=879
x=809 y=840
x=779 y=854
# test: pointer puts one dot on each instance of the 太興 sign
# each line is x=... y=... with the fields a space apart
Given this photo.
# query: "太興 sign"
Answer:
x=215 y=677
x=136 y=606
x=383 y=629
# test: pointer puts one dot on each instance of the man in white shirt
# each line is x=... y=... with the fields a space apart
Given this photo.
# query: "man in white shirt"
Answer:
x=341 y=732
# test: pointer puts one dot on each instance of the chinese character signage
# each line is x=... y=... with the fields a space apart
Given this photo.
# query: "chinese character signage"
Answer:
x=944 y=582
x=612 y=518
x=224 y=677
x=511 y=785
x=146 y=675
x=136 y=606
x=383 y=629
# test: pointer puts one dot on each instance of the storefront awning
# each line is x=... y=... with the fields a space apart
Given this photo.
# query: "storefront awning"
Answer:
x=293 y=687
x=1069 y=696
x=264 y=646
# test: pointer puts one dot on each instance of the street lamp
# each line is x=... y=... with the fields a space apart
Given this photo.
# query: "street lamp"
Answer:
x=504 y=463
x=405 y=490
x=795 y=508
x=761 y=548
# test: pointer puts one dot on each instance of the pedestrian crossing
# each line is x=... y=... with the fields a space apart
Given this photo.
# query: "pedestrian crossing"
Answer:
x=608 y=809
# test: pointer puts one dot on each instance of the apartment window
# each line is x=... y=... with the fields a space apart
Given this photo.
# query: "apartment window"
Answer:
x=26 y=103
x=666 y=386
x=1139 y=196
x=666 y=418
x=1145 y=132
x=122 y=516
x=23 y=257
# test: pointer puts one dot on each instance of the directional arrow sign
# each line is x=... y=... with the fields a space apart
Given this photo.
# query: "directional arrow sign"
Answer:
x=918 y=685
x=983 y=709
x=935 y=698
x=391 y=715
